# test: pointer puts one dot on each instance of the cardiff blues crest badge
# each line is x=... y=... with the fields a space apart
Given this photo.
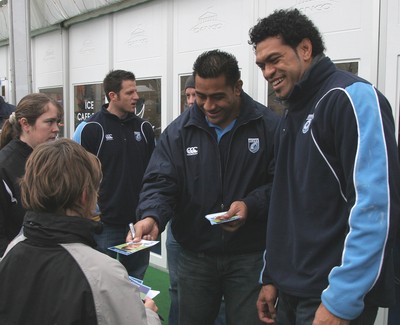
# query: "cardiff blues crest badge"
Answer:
x=253 y=144
x=138 y=136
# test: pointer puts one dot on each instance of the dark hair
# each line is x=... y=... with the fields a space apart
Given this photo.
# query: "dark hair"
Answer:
x=113 y=81
x=212 y=64
x=291 y=26
x=30 y=107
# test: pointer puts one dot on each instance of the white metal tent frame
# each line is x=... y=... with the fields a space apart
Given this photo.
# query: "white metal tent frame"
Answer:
x=46 y=15
x=20 y=20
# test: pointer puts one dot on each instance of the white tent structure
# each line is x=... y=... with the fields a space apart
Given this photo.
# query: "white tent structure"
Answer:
x=22 y=19
x=65 y=48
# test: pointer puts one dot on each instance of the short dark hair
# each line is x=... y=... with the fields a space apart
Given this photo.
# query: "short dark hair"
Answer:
x=113 y=81
x=212 y=64
x=291 y=26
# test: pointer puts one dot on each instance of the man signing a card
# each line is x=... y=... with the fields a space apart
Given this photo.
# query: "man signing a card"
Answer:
x=215 y=157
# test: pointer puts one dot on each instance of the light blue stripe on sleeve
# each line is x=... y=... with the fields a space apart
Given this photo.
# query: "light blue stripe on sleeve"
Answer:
x=78 y=132
x=369 y=217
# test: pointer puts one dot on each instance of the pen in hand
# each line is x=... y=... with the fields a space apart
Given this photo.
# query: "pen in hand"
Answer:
x=132 y=228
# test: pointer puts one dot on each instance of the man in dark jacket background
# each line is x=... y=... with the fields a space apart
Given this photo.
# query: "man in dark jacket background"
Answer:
x=123 y=142
x=215 y=157
x=5 y=110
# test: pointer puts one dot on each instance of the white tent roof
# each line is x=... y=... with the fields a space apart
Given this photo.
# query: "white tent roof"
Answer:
x=49 y=13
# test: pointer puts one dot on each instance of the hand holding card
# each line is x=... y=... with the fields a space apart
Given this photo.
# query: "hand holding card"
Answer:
x=133 y=247
x=216 y=218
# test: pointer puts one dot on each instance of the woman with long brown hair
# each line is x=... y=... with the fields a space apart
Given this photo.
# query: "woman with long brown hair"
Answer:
x=35 y=120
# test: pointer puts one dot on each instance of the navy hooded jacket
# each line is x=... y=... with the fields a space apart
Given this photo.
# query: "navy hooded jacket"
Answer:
x=335 y=197
x=191 y=174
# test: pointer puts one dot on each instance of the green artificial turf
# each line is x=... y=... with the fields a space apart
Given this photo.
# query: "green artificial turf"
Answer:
x=159 y=280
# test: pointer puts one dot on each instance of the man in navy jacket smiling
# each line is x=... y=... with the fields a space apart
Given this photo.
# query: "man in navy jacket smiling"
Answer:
x=335 y=197
x=215 y=157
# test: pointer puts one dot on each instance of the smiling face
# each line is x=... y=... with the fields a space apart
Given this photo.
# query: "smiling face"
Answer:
x=281 y=65
x=219 y=102
x=45 y=128
x=125 y=100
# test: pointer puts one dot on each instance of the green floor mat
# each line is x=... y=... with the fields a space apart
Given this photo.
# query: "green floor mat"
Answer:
x=159 y=280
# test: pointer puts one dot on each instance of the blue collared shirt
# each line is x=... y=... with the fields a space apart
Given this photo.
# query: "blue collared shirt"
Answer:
x=220 y=132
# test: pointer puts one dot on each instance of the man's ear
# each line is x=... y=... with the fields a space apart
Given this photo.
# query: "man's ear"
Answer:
x=304 y=49
x=238 y=87
x=112 y=95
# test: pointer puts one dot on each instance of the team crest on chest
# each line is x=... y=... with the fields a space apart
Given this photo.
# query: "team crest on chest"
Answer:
x=253 y=144
x=307 y=123
x=138 y=136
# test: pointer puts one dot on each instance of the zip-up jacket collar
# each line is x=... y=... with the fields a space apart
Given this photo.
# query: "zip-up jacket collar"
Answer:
x=248 y=112
x=129 y=117
x=47 y=228
x=307 y=87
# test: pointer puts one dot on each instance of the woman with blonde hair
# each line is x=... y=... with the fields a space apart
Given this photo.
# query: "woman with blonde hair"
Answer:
x=51 y=274
x=35 y=120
